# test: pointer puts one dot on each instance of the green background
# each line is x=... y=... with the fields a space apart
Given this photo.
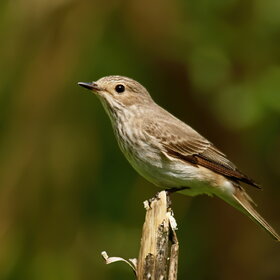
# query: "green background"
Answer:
x=66 y=191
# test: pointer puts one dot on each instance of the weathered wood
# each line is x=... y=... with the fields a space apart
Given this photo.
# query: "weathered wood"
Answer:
x=159 y=249
x=158 y=256
x=173 y=264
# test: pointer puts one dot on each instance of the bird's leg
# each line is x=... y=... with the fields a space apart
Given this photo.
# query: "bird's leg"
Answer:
x=171 y=191
x=176 y=189
x=168 y=191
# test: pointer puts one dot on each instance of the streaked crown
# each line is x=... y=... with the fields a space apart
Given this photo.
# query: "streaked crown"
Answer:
x=121 y=91
x=120 y=95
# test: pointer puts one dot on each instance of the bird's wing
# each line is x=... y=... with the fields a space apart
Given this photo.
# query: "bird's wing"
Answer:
x=182 y=142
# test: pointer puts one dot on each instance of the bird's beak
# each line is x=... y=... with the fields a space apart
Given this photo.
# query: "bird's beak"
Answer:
x=91 y=86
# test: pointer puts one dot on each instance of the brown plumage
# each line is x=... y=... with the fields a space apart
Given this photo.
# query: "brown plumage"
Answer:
x=168 y=152
x=194 y=148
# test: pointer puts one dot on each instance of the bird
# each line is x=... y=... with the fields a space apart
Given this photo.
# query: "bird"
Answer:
x=168 y=152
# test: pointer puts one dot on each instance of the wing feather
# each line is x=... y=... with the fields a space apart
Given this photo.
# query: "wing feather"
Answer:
x=182 y=142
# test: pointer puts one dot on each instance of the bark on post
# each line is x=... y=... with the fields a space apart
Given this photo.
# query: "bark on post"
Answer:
x=158 y=255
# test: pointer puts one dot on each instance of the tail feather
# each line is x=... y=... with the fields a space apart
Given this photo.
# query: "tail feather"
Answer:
x=242 y=201
x=241 y=198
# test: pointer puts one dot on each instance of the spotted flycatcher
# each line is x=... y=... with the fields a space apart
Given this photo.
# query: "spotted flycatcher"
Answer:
x=168 y=152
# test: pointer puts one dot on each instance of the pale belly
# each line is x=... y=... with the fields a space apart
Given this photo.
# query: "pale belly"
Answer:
x=166 y=173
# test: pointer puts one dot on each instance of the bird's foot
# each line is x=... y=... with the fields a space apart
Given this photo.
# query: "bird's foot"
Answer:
x=173 y=190
x=176 y=189
x=168 y=191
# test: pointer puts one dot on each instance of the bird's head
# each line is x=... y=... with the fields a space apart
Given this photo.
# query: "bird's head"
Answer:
x=118 y=92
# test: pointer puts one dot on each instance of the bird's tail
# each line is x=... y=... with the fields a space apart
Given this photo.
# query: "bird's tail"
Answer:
x=243 y=202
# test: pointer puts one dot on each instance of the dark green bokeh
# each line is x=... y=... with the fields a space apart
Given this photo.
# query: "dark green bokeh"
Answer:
x=66 y=191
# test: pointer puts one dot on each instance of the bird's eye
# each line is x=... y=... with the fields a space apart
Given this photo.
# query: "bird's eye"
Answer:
x=119 y=88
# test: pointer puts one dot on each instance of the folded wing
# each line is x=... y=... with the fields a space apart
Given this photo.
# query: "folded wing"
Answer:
x=182 y=142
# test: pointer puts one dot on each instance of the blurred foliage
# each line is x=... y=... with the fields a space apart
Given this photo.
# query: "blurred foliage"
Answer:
x=67 y=193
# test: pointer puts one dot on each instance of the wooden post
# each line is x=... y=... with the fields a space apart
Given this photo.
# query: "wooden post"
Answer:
x=158 y=255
